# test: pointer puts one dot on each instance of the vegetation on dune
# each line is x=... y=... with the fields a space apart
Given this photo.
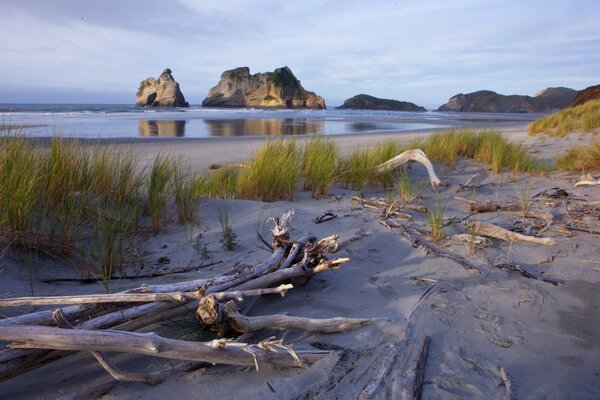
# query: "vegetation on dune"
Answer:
x=319 y=164
x=272 y=172
x=88 y=203
x=585 y=117
x=581 y=158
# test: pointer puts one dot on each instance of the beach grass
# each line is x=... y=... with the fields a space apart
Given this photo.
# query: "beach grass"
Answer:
x=183 y=187
x=582 y=118
x=158 y=179
x=320 y=157
x=581 y=158
x=272 y=172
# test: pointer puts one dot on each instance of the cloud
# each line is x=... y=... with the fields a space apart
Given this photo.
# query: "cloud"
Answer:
x=418 y=51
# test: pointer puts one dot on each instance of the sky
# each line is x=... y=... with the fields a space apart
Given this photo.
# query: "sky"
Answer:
x=79 y=51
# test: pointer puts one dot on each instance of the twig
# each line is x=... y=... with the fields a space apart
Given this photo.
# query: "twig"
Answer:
x=420 y=369
x=518 y=268
x=328 y=216
x=429 y=248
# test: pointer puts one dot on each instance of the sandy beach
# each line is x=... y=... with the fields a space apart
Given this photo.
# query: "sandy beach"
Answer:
x=495 y=335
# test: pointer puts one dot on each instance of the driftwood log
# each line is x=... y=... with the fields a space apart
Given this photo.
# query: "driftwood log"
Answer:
x=216 y=351
x=407 y=156
x=588 y=180
x=497 y=232
x=37 y=343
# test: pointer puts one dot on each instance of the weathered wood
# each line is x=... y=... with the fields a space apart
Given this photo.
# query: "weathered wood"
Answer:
x=497 y=232
x=242 y=323
x=430 y=248
x=519 y=269
x=489 y=206
x=177 y=297
x=588 y=180
x=216 y=351
x=507 y=385
x=420 y=369
x=411 y=155
x=297 y=270
x=369 y=391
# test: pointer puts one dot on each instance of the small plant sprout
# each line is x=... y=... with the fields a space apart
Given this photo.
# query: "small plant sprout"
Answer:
x=435 y=217
x=524 y=194
x=201 y=247
x=228 y=237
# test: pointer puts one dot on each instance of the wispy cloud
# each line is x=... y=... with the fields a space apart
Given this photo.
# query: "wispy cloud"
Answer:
x=418 y=51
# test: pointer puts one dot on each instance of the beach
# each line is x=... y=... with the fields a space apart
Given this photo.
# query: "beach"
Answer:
x=494 y=334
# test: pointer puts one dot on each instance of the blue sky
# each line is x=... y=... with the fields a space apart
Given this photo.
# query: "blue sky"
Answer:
x=419 y=51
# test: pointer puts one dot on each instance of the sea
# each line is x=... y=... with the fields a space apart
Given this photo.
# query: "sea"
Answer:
x=127 y=121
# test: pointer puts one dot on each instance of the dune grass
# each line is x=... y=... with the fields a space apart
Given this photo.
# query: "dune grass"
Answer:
x=357 y=169
x=581 y=158
x=582 y=118
x=83 y=203
x=272 y=172
x=320 y=157
x=158 y=179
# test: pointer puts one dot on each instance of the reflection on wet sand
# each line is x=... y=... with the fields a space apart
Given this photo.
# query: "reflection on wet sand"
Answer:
x=265 y=126
x=165 y=128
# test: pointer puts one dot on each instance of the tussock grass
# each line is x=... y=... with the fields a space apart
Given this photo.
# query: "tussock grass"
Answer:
x=158 y=179
x=272 y=172
x=434 y=216
x=357 y=169
x=74 y=201
x=183 y=186
x=581 y=158
x=220 y=183
x=319 y=163
x=584 y=117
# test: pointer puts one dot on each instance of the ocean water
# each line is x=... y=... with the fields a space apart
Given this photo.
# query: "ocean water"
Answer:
x=126 y=121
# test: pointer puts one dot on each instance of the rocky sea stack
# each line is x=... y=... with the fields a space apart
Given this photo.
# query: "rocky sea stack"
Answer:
x=548 y=100
x=277 y=89
x=366 y=102
x=161 y=92
x=585 y=95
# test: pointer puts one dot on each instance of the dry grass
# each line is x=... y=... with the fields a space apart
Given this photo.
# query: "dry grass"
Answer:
x=581 y=158
x=583 y=118
x=272 y=172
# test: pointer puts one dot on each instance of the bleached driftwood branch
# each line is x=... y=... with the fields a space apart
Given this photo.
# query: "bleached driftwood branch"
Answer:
x=242 y=323
x=137 y=297
x=216 y=351
x=497 y=232
x=588 y=180
x=411 y=155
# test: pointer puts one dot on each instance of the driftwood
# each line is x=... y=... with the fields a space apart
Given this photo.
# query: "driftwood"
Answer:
x=290 y=260
x=242 y=323
x=420 y=369
x=488 y=205
x=430 y=248
x=519 y=269
x=216 y=351
x=588 y=180
x=497 y=232
x=137 y=297
x=411 y=155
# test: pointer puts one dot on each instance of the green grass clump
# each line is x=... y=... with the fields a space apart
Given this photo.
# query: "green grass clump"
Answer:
x=183 y=186
x=581 y=158
x=159 y=177
x=319 y=163
x=584 y=117
x=219 y=184
x=356 y=170
x=272 y=172
x=434 y=216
